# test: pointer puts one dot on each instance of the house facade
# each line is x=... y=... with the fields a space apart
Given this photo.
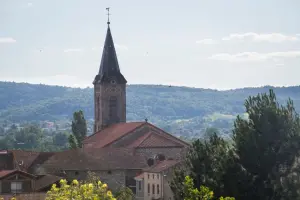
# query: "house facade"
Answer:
x=14 y=181
x=153 y=182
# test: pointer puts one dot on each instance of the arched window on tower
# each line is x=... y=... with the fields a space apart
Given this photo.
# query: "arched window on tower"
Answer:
x=98 y=108
x=113 y=108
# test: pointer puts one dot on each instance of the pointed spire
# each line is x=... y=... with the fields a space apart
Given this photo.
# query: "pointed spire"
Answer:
x=109 y=66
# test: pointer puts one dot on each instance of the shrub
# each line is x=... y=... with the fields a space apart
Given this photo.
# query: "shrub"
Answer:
x=191 y=193
x=78 y=191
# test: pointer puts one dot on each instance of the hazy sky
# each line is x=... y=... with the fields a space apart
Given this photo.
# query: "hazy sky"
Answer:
x=200 y=43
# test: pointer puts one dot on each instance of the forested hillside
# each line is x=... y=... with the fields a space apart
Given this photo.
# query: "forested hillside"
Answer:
x=175 y=109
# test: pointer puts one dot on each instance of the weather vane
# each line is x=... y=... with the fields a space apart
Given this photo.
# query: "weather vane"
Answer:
x=108 y=15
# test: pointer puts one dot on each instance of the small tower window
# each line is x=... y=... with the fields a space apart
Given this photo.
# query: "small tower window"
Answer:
x=112 y=107
x=98 y=108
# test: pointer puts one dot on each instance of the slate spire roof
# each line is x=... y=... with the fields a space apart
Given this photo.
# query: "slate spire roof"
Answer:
x=109 y=66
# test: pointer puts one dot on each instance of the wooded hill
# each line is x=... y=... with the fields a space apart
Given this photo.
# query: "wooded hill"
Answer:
x=175 y=109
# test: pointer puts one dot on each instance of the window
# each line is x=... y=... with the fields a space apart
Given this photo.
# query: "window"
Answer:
x=109 y=172
x=148 y=176
x=140 y=185
x=112 y=106
x=148 y=188
x=150 y=162
x=98 y=108
x=157 y=189
x=152 y=176
x=153 y=189
x=157 y=176
x=76 y=173
x=16 y=187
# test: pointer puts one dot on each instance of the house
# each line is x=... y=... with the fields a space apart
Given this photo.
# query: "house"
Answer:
x=14 y=181
x=153 y=182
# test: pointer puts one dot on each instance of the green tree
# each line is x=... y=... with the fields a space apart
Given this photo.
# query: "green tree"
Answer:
x=207 y=161
x=72 y=142
x=177 y=183
x=79 y=130
x=203 y=193
x=124 y=193
x=209 y=132
x=28 y=138
x=60 y=139
x=266 y=149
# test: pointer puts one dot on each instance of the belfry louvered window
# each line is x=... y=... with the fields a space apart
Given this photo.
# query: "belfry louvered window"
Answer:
x=112 y=107
x=98 y=107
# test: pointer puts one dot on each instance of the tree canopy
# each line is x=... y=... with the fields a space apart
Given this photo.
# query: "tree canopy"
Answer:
x=261 y=161
x=79 y=130
x=181 y=110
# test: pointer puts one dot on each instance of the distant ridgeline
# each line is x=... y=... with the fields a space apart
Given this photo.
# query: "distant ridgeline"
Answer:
x=176 y=109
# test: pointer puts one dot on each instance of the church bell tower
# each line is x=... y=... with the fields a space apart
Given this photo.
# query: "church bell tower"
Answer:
x=109 y=87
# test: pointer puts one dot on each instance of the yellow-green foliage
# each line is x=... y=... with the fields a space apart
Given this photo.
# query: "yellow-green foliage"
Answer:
x=191 y=193
x=1 y=198
x=78 y=191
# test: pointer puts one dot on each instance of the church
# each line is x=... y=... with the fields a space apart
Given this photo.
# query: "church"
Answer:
x=110 y=126
x=137 y=155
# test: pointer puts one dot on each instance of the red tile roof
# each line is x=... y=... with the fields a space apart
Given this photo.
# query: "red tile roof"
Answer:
x=151 y=139
x=139 y=177
x=110 y=134
x=24 y=159
x=162 y=166
x=46 y=181
x=6 y=172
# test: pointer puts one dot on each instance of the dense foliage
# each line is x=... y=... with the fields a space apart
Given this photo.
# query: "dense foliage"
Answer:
x=79 y=130
x=33 y=137
x=180 y=110
x=203 y=193
x=78 y=191
x=261 y=161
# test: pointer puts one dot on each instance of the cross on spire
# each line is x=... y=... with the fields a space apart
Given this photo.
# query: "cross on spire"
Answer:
x=108 y=22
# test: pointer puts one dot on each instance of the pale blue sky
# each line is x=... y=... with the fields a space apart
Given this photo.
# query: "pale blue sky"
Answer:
x=200 y=43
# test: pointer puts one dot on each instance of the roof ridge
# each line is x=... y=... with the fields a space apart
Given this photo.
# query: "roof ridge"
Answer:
x=109 y=127
x=142 y=123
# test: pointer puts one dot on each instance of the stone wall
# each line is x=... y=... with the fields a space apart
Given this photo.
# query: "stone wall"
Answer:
x=175 y=153
x=115 y=179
